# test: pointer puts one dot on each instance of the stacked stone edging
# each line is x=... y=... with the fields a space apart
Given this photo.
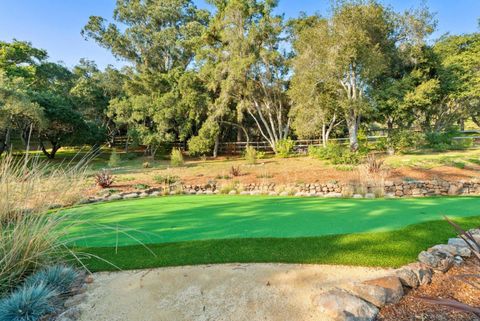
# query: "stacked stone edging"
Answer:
x=363 y=300
x=389 y=189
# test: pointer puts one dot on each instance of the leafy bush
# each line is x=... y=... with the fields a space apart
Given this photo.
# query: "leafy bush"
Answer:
x=130 y=156
x=141 y=186
x=114 y=159
x=59 y=278
x=399 y=141
x=336 y=154
x=104 y=178
x=284 y=147
x=252 y=155
x=28 y=303
x=442 y=141
x=176 y=157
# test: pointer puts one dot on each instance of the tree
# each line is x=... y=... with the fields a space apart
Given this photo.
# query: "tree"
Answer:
x=245 y=69
x=347 y=54
x=159 y=38
x=19 y=62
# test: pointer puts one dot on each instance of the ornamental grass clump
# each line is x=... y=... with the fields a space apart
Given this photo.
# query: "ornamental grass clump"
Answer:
x=30 y=236
x=28 y=303
x=60 y=278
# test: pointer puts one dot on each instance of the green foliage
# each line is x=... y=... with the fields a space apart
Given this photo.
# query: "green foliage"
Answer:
x=114 y=159
x=166 y=180
x=204 y=142
x=442 y=141
x=284 y=148
x=399 y=141
x=176 y=157
x=59 y=278
x=28 y=303
x=252 y=155
x=141 y=186
x=336 y=154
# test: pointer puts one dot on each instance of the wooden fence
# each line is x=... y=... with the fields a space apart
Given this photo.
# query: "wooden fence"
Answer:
x=238 y=148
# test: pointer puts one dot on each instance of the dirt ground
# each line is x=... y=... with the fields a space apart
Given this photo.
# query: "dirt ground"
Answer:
x=446 y=286
x=294 y=170
x=231 y=292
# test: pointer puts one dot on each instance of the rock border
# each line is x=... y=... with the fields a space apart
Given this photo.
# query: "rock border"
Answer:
x=328 y=190
x=363 y=300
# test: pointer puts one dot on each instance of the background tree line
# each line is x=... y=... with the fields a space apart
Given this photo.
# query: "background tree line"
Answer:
x=242 y=72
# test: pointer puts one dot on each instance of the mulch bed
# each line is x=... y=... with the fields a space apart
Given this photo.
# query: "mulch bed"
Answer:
x=445 y=286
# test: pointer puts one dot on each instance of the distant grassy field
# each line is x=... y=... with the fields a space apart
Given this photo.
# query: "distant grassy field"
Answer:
x=218 y=229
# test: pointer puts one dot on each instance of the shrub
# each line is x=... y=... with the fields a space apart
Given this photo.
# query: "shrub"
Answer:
x=130 y=156
x=336 y=154
x=399 y=141
x=176 y=157
x=141 y=186
x=166 y=180
x=252 y=155
x=284 y=147
x=28 y=303
x=235 y=171
x=59 y=278
x=104 y=178
x=442 y=141
x=114 y=159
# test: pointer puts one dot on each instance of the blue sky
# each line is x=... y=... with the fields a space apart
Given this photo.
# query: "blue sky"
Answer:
x=55 y=25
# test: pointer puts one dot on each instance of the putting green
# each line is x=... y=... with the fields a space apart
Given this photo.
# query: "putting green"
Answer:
x=189 y=218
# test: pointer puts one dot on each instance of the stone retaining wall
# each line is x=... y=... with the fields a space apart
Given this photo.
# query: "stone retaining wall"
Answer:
x=390 y=188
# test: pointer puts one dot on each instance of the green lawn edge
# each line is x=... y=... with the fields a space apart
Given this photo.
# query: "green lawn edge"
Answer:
x=383 y=249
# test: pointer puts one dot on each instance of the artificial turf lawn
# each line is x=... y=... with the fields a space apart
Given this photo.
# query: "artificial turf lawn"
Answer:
x=190 y=218
x=224 y=229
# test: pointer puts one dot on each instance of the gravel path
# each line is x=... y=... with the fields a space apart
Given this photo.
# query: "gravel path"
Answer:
x=231 y=292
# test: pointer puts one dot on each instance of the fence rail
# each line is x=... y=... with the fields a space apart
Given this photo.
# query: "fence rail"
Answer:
x=238 y=148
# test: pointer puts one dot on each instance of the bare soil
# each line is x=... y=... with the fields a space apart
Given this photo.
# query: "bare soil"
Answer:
x=231 y=292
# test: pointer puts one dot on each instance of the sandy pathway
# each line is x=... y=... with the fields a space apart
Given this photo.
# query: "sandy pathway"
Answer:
x=231 y=292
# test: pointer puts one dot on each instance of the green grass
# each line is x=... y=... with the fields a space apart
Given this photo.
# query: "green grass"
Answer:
x=384 y=249
x=220 y=229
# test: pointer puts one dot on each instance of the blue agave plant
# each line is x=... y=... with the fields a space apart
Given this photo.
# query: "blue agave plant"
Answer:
x=28 y=303
x=60 y=278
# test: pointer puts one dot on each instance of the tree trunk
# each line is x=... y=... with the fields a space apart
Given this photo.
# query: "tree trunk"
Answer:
x=352 y=124
x=51 y=154
x=5 y=141
x=215 y=148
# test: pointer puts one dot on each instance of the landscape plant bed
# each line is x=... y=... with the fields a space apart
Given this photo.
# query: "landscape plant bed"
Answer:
x=168 y=231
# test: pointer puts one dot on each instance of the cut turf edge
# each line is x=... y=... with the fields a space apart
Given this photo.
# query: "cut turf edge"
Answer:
x=382 y=249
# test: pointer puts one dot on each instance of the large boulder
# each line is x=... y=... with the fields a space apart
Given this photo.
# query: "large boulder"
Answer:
x=423 y=273
x=452 y=250
x=408 y=278
x=373 y=294
x=392 y=285
x=437 y=260
x=339 y=305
